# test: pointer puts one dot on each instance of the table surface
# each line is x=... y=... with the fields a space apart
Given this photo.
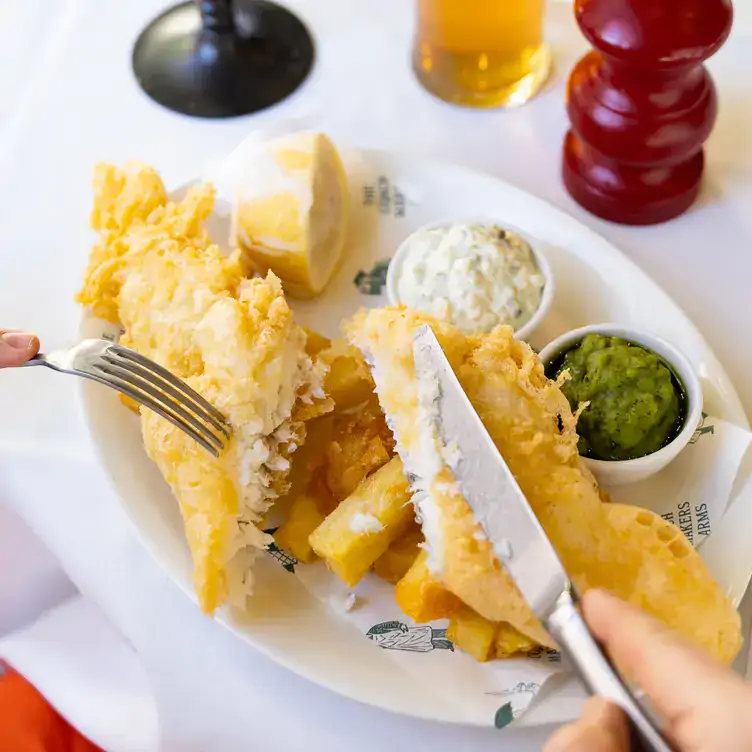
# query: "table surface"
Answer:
x=69 y=100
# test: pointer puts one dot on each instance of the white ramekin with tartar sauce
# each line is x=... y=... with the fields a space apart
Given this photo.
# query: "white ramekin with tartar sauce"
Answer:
x=475 y=275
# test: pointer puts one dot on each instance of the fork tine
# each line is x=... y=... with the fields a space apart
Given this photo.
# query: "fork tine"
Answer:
x=178 y=407
x=160 y=398
x=150 y=365
x=150 y=376
x=115 y=383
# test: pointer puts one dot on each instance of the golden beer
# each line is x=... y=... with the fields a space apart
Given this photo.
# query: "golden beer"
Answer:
x=481 y=53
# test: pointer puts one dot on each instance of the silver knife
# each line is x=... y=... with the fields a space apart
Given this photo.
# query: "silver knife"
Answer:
x=519 y=541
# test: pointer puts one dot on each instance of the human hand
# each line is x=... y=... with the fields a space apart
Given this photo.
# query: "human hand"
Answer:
x=17 y=347
x=704 y=706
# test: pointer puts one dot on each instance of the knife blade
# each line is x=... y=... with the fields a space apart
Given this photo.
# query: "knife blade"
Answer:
x=488 y=486
x=518 y=539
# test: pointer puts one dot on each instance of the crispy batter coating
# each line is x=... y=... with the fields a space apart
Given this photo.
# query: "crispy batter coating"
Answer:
x=629 y=551
x=190 y=308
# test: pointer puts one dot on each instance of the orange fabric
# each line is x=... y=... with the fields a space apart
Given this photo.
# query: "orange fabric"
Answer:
x=29 y=724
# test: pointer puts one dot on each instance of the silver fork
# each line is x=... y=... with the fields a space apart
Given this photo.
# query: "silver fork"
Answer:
x=147 y=383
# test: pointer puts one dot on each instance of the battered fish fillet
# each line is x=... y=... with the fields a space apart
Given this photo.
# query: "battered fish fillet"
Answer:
x=182 y=303
x=629 y=551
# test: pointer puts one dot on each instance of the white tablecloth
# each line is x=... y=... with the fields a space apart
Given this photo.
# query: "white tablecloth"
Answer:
x=67 y=100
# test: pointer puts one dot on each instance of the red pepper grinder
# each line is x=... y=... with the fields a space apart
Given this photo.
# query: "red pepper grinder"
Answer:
x=642 y=105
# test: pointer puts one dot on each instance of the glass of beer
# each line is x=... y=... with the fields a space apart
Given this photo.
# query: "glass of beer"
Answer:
x=481 y=53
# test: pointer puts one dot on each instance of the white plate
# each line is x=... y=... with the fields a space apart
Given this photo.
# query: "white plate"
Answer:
x=392 y=195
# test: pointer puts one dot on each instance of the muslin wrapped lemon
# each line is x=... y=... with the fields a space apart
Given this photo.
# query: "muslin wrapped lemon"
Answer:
x=291 y=210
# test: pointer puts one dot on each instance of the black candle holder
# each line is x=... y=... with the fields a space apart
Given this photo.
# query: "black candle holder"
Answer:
x=218 y=58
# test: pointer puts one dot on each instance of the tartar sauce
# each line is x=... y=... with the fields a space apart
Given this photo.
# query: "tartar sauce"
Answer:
x=475 y=276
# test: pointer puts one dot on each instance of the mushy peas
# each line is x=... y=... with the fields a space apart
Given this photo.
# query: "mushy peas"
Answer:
x=636 y=403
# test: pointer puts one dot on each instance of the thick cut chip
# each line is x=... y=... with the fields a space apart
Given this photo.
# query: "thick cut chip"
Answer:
x=395 y=562
x=619 y=548
x=348 y=381
x=510 y=642
x=422 y=596
x=361 y=443
x=364 y=525
x=303 y=518
x=473 y=634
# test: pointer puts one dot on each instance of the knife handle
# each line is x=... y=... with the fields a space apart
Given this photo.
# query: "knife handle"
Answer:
x=598 y=674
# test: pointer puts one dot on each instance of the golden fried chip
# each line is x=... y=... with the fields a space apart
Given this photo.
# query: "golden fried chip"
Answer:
x=360 y=444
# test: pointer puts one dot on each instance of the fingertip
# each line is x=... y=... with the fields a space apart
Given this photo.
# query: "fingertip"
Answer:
x=34 y=346
x=600 y=608
x=599 y=598
x=17 y=347
x=564 y=739
x=599 y=711
x=600 y=728
x=618 y=623
x=674 y=674
x=25 y=343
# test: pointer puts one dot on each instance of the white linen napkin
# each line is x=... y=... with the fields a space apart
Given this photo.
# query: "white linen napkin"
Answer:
x=89 y=674
x=31 y=580
x=64 y=646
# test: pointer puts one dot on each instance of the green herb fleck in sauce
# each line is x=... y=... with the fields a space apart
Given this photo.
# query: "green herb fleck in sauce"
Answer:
x=637 y=404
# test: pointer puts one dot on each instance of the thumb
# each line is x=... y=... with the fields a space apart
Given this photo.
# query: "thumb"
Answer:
x=701 y=703
x=600 y=728
x=17 y=347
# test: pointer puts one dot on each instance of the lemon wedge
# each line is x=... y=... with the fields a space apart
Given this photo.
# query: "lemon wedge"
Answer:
x=291 y=211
